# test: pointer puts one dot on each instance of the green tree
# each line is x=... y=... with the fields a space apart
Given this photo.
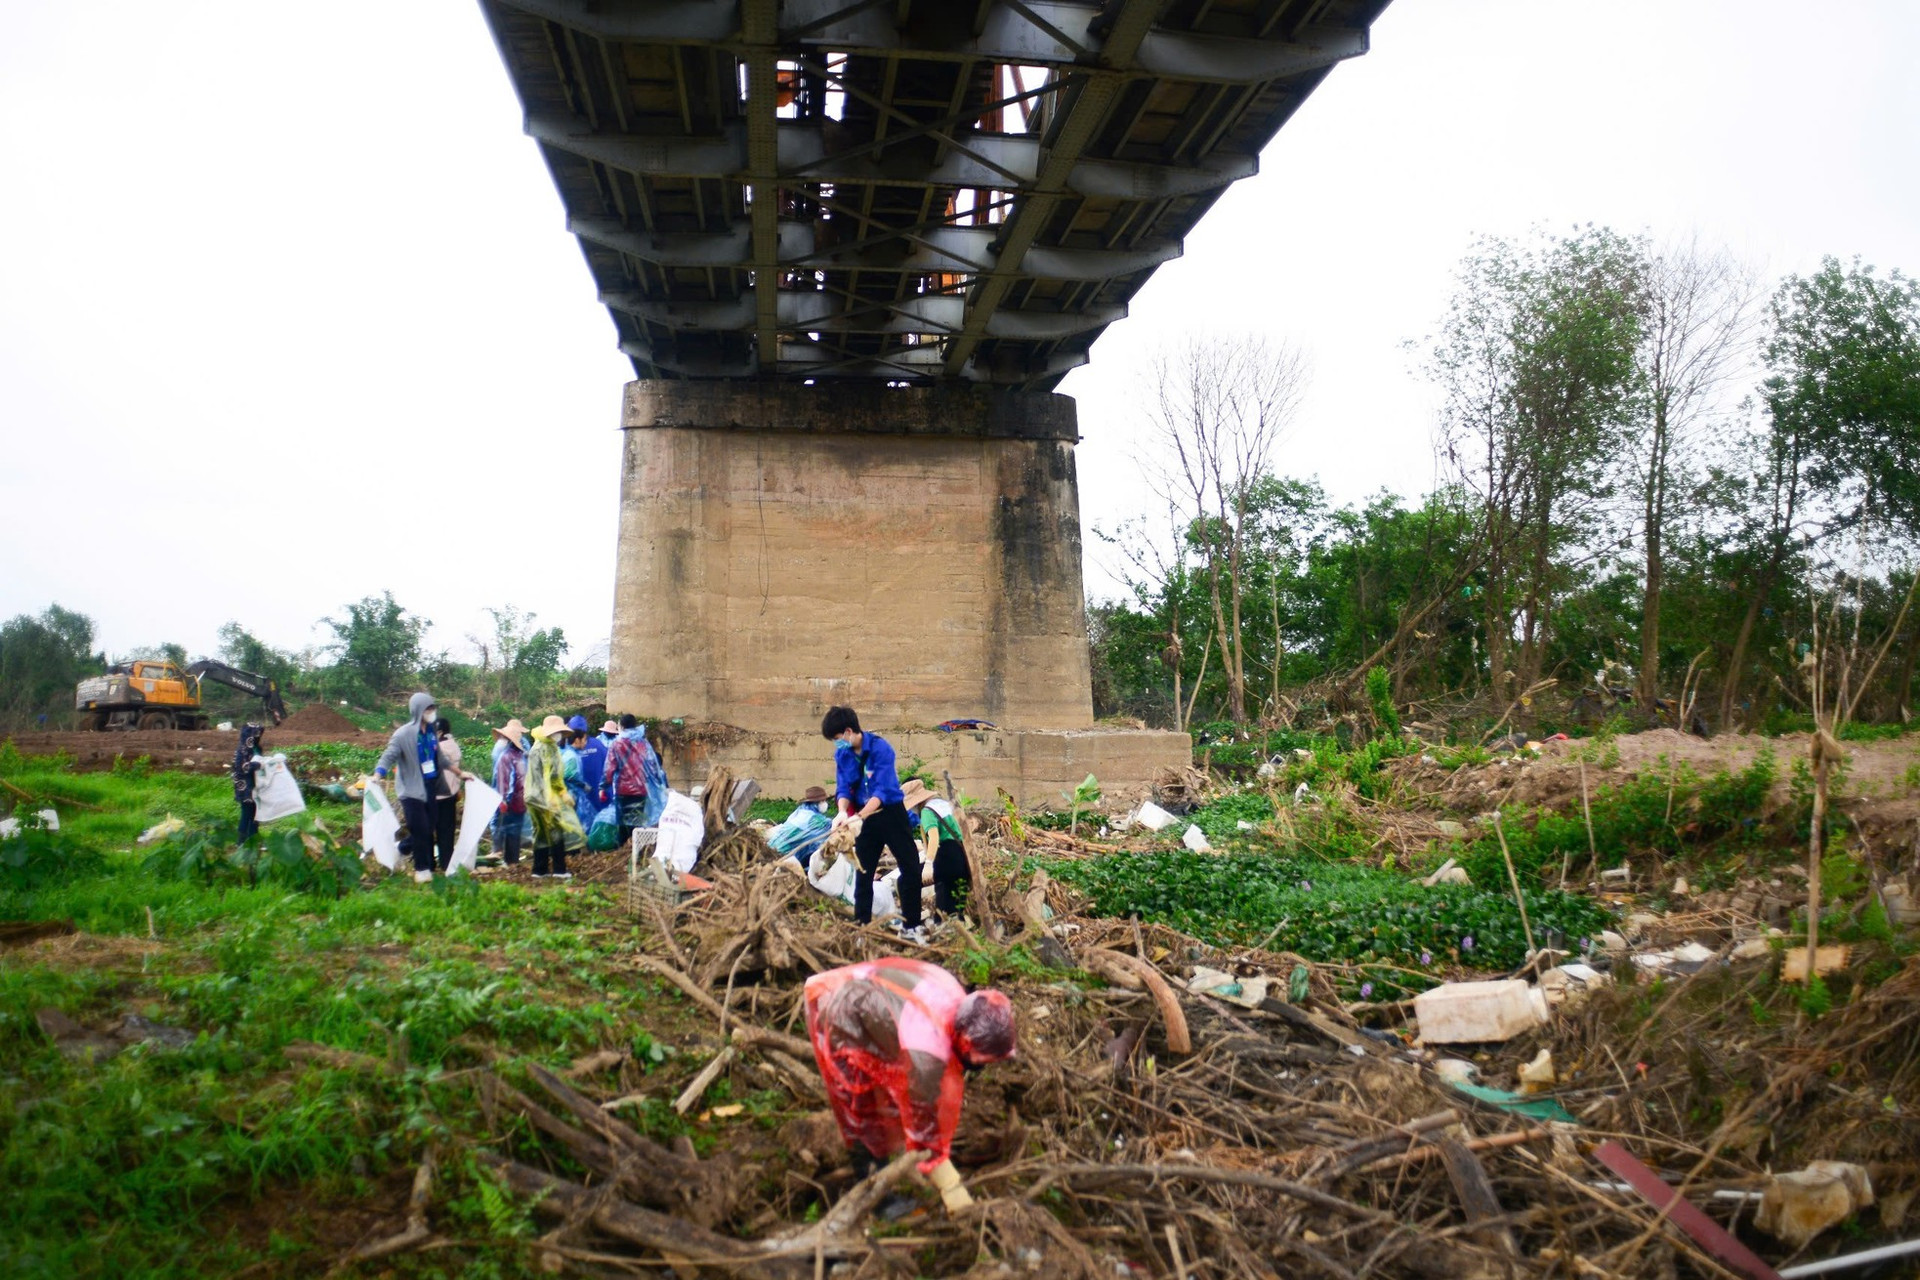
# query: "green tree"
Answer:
x=241 y=648
x=41 y=660
x=1535 y=361
x=520 y=660
x=1841 y=449
x=377 y=642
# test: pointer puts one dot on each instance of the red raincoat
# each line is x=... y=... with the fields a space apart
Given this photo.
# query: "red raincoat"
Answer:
x=882 y=1032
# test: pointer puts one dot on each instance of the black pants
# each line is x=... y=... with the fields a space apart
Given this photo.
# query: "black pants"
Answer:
x=446 y=826
x=506 y=829
x=888 y=828
x=550 y=860
x=248 y=824
x=952 y=879
x=419 y=842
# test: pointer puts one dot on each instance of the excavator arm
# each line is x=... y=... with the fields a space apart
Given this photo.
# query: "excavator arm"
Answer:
x=247 y=682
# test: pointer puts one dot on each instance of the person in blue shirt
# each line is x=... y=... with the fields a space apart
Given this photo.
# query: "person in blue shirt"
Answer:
x=867 y=787
x=593 y=755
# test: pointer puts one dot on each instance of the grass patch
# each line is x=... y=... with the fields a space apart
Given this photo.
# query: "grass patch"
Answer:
x=226 y=1154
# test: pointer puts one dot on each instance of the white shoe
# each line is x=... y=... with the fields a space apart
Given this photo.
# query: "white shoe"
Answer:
x=423 y=877
x=561 y=875
x=541 y=875
x=916 y=935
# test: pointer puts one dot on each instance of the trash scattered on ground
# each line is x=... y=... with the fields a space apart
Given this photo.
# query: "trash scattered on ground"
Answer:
x=1196 y=839
x=1478 y=1012
x=1689 y=958
x=1793 y=965
x=1152 y=816
x=1796 y=1207
x=47 y=818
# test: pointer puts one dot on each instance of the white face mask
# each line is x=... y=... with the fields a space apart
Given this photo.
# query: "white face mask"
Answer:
x=430 y=716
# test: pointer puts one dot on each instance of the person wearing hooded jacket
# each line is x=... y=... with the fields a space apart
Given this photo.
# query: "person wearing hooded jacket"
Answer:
x=246 y=777
x=413 y=756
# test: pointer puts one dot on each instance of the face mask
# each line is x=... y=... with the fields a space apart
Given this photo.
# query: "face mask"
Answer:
x=430 y=716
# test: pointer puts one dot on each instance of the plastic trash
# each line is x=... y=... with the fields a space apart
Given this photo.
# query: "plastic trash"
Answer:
x=1196 y=840
x=1478 y=1012
x=1152 y=816
x=161 y=830
x=1538 y=1075
x=1690 y=958
x=277 y=794
x=832 y=876
x=379 y=828
x=1796 y=1207
x=1246 y=992
x=10 y=827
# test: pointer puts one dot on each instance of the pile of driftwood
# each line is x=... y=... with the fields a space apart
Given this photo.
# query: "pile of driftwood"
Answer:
x=1142 y=1130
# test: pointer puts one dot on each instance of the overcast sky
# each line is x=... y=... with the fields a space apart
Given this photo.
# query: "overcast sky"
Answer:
x=273 y=278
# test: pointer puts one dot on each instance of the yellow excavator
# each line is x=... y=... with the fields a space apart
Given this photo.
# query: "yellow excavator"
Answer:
x=160 y=695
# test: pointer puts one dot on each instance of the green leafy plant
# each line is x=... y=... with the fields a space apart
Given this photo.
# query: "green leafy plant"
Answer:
x=1330 y=911
x=1081 y=797
x=1380 y=698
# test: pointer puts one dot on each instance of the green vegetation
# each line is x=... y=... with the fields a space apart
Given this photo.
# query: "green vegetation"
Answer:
x=229 y=1152
x=1329 y=911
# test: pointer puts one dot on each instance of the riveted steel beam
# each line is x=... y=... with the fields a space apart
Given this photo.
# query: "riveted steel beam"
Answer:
x=997 y=161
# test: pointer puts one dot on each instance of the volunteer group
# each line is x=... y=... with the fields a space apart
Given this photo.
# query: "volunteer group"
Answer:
x=563 y=788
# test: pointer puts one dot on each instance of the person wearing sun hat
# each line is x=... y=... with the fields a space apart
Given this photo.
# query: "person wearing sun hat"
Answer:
x=941 y=845
x=510 y=780
x=556 y=827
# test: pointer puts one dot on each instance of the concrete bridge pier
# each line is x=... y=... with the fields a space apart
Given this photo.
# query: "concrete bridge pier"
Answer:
x=913 y=552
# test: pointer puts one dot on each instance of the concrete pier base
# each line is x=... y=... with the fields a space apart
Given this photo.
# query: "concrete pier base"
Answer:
x=1036 y=766
x=912 y=552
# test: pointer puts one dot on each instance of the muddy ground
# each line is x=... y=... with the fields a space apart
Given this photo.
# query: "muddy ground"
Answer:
x=201 y=751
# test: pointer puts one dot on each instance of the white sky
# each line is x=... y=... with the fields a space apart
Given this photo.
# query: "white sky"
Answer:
x=272 y=276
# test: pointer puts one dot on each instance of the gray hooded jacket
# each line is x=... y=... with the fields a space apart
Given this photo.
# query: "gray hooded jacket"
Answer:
x=402 y=757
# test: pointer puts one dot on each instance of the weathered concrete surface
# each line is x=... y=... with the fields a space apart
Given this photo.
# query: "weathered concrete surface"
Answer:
x=911 y=552
x=1034 y=767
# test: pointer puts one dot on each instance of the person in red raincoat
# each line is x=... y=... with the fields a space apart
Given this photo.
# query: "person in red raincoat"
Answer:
x=892 y=1037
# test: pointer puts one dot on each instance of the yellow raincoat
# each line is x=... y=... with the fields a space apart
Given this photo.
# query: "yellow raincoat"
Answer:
x=549 y=803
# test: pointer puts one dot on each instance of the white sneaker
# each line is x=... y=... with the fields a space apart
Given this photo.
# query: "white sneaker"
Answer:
x=916 y=935
x=561 y=875
x=423 y=877
x=541 y=875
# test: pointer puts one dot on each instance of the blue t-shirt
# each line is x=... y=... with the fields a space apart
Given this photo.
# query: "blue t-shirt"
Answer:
x=866 y=774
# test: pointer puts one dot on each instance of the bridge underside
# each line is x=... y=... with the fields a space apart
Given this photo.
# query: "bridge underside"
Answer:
x=851 y=246
x=908 y=190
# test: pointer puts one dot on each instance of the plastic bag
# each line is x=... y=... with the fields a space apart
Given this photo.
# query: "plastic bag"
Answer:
x=604 y=833
x=379 y=828
x=482 y=801
x=682 y=828
x=276 y=795
x=832 y=876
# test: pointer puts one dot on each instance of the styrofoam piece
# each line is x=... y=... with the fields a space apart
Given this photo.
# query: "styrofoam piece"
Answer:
x=1152 y=816
x=1196 y=840
x=1478 y=1012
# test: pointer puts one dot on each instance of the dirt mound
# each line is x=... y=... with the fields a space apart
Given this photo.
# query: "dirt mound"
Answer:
x=318 y=719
